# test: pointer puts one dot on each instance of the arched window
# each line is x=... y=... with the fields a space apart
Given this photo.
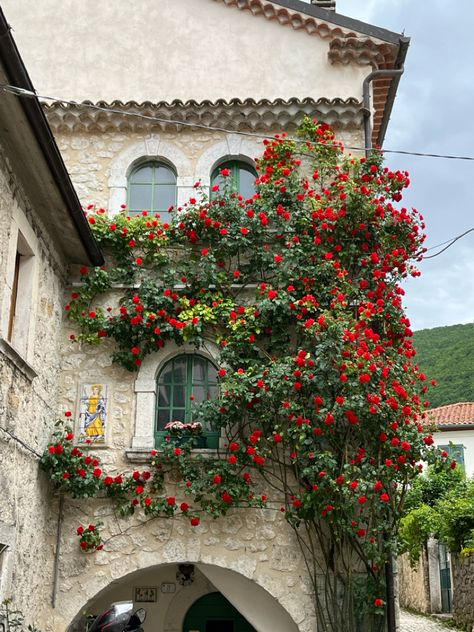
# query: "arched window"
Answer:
x=152 y=187
x=242 y=177
x=184 y=382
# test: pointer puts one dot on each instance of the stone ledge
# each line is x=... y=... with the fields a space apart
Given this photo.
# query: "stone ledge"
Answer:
x=17 y=360
x=143 y=455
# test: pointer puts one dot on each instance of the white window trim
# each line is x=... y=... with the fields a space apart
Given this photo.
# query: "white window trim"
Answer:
x=151 y=148
x=145 y=390
x=231 y=147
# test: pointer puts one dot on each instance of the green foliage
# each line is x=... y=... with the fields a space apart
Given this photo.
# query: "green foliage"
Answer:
x=456 y=518
x=430 y=488
x=447 y=355
x=440 y=503
x=415 y=529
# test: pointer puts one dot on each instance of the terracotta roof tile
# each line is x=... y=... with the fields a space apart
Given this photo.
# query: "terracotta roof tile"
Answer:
x=235 y=115
x=461 y=414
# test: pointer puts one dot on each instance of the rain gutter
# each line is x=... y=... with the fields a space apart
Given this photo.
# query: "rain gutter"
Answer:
x=395 y=73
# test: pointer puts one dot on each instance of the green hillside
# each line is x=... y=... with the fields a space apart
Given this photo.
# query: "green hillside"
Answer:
x=447 y=355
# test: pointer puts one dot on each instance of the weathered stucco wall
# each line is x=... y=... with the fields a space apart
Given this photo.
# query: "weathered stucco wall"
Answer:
x=160 y=50
x=463 y=591
x=28 y=406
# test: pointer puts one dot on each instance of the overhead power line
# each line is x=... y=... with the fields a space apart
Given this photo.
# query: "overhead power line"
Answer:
x=22 y=92
x=450 y=243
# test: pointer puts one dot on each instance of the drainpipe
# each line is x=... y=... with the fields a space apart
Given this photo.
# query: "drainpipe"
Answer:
x=366 y=109
x=57 y=552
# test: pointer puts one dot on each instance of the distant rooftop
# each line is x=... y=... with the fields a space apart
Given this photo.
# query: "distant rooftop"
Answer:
x=460 y=414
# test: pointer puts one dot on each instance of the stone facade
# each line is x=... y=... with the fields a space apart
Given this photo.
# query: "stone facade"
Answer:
x=29 y=395
x=413 y=583
x=463 y=591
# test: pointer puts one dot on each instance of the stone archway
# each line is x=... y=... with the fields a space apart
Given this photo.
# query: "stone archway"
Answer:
x=171 y=597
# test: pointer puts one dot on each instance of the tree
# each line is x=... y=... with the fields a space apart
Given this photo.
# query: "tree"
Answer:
x=320 y=399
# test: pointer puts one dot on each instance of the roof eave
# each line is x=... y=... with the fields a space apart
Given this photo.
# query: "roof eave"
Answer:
x=441 y=427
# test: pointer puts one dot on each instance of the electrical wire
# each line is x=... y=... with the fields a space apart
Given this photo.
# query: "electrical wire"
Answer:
x=21 y=442
x=450 y=243
x=22 y=92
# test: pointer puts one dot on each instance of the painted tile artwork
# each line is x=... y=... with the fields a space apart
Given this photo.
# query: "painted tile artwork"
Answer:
x=93 y=413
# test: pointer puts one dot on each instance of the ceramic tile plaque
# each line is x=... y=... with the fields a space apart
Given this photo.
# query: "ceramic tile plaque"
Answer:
x=93 y=409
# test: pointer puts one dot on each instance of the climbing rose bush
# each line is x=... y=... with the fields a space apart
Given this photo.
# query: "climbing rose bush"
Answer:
x=321 y=401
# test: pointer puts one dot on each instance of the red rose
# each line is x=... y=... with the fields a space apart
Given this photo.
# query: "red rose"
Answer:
x=195 y=521
x=108 y=480
x=97 y=472
x=171 y=500
x=384 y=497
x=80 y=530
x=378 y=603
x=227 y=498
x=217 y=479
x=184 y=507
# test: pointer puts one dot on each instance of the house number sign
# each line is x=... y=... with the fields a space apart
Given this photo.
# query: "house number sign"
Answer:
x=145 y=594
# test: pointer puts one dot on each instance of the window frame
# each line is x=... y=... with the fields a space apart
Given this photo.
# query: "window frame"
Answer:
x=164 y=213
x=235 y=166
x=455 y=452
x=211 y=436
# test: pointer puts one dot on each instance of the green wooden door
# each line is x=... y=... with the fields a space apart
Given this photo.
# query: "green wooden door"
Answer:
x=214 y=613
x=445 y=578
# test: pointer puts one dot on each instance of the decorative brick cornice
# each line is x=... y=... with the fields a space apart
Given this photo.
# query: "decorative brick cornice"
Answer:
x=233 y=115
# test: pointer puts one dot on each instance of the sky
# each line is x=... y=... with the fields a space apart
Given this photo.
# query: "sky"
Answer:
x=433 y=113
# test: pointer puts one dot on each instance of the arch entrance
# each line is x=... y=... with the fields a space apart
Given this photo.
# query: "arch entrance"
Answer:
x=192 y=598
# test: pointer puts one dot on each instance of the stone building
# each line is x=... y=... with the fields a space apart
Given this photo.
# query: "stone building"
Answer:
x=181 y=88
x=42 y=232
